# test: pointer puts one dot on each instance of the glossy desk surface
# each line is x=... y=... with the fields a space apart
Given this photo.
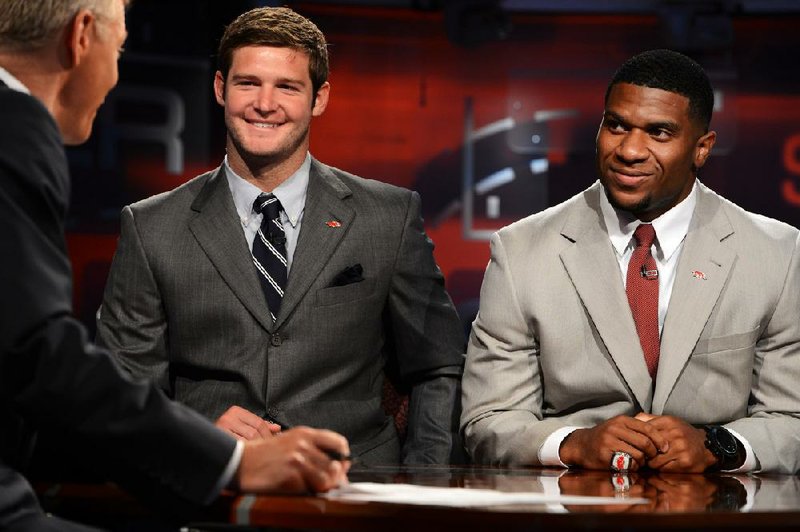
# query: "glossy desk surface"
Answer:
x=676 y=502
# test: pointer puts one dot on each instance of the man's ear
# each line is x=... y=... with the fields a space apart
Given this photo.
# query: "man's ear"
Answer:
x=79 y=36
x=321 y=99
x=219 y=88
x=703 y=148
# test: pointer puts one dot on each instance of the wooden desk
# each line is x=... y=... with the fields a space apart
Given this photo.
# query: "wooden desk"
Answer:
x=677 y=502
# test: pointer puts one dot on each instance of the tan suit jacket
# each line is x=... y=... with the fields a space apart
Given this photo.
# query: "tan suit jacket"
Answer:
x=555 y=345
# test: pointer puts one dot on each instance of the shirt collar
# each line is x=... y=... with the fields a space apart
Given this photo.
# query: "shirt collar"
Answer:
x=12 y=82
x=671 y=227
x=291 y=193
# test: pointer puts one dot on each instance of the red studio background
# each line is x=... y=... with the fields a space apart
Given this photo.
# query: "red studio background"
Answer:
x=489 y=115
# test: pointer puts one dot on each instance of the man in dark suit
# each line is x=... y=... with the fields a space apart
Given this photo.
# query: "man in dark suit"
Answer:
x=58 y=60
x=191 y=302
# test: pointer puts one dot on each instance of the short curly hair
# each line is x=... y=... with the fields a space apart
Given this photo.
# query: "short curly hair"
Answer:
x=280 y=27
x=670 y=71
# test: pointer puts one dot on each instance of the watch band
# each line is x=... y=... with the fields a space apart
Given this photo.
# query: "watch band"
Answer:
x=728 y=450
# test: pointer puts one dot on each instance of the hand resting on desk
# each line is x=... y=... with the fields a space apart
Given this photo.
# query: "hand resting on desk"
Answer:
x=245 y=425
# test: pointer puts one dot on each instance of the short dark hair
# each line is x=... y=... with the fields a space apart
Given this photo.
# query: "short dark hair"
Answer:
x=670 y=71
x=280 y=27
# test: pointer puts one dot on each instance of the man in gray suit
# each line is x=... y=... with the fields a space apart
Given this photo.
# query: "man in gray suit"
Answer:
x=597 y=347
x=198 y=296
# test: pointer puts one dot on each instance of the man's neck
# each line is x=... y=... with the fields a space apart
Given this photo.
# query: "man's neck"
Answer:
x=263 y=173
x=39 y=73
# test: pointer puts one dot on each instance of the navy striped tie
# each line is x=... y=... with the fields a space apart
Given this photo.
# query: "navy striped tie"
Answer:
x=269 y=251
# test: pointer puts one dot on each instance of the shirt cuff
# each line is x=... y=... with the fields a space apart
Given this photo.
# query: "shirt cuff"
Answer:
x=548 y=452
x=750 y=462
x=227 y=475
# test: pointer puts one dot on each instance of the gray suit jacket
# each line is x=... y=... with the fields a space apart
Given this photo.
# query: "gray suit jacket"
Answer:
x=183 y=305
x=554 y=343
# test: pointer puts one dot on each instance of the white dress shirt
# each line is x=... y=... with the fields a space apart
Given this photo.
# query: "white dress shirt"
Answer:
x=292 y=195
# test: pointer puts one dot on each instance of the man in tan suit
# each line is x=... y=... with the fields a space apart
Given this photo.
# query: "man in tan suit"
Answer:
x=570 y=363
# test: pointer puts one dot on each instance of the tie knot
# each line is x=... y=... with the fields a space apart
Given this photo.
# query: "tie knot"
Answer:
x=267 y=204
x=644 y=235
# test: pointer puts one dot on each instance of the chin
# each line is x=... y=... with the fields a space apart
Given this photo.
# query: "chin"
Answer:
x=633 y=205
x=76 y=132
x=74 y=139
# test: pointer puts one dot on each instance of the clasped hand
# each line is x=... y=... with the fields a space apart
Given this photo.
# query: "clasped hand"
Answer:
x=664 y=443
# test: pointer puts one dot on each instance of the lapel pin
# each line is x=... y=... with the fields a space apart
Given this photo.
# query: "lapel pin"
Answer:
x=333 y=223
x=697 y=274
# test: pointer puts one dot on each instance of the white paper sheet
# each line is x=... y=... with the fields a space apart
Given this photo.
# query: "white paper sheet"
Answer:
x=459 y=497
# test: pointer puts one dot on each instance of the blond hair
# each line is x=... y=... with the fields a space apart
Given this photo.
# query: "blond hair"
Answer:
x=30 y=24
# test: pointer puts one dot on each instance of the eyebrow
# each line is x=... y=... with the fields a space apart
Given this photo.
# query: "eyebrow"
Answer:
x=650 y=126
x=246 y=76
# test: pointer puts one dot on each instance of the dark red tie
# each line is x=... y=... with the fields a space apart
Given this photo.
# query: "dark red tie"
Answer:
x=642 y=289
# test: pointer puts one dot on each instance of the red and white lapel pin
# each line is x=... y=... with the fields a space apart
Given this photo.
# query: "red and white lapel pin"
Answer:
x=333 y=223
x=697 y=274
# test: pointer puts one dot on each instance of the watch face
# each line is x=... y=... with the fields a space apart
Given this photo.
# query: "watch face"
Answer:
x=725 y=441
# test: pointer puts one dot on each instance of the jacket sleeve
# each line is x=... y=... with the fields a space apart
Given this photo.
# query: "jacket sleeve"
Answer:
x=131 y=323
x=772 y=427
x=502 y=395
x=427 y=338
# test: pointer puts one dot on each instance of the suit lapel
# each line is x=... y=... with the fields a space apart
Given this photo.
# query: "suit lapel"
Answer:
x=702 y=271
x=317 y=240
x=594 y=271
x=217 y=230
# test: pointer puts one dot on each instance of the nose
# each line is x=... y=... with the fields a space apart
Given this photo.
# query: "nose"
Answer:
x=265 y=100
x=633 y=146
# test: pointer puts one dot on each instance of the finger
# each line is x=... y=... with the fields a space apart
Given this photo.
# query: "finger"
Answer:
x=319 y=472
x=631 y=433
x=233 y=427
x=235 y=435
x=643 y=445
x=331 y=441
x=246 y=432
x=249 y=424
x=274 y=428
x=637 y=458
x=666 y=464
x=263 y=429
x=247 y=417
x=653 y=431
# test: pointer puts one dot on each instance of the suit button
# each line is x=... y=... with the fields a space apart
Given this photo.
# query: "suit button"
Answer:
x=275 y=340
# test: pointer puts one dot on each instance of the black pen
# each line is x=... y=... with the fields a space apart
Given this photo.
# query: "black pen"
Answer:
x=333 y=455
x=336 y=455
x=274 y=421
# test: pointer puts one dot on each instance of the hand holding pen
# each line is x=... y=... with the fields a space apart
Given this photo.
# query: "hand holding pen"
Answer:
x=298 y=460
x=332 y=453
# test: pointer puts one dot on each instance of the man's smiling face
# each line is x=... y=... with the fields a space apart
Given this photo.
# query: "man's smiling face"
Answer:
x=269 y=103
x=649 y=149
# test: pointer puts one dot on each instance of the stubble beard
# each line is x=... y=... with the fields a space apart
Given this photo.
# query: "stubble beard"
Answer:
x=640 y=207
x=258 y=159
